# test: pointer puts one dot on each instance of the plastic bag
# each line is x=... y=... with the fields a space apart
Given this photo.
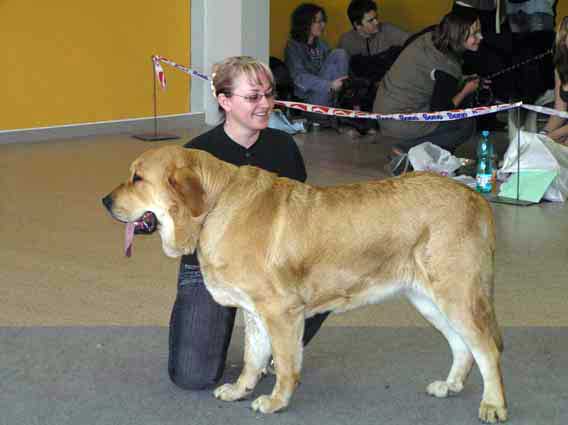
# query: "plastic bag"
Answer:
x=533 y=154
x=558 y=190
x=539 y=153
x=429 y=157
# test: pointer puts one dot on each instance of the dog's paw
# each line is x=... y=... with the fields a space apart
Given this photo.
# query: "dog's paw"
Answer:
x=443 y=389
x=230 y=392
x=489 y=413
x=267 y=404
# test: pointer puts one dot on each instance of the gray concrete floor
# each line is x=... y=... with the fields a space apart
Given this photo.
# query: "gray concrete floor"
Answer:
x=83 y=330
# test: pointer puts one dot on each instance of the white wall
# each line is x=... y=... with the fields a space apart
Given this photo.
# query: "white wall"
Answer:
x=223 y=28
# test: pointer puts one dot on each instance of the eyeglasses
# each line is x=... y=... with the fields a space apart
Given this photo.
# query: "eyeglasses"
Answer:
x=256 y=97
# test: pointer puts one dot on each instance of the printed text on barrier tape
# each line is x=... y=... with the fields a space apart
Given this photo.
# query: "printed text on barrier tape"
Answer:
x=457 y=114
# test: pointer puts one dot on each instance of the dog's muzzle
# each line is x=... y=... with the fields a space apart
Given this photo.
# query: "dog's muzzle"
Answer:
x=145 y=225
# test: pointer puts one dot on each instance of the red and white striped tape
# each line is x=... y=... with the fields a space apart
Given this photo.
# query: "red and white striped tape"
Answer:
x=456 y=114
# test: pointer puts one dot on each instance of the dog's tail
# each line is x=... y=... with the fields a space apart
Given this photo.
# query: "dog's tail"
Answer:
x=491 y=317
x=487 y=231
x=495 y=330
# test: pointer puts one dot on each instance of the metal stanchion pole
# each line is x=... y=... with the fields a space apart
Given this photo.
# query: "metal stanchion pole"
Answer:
x=514 y=201
x=153 y=137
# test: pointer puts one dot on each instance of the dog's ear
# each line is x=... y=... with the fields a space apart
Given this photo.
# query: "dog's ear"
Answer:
x=186 y=185
x=188 y=209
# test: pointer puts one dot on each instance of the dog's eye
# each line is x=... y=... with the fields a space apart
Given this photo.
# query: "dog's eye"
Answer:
x=136 y=178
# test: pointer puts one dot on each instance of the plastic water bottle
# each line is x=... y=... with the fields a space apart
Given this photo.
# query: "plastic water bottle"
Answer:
x=484 y=175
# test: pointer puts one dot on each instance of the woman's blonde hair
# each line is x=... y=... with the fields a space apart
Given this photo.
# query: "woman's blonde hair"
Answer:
x=226 y=72
x=561 y=51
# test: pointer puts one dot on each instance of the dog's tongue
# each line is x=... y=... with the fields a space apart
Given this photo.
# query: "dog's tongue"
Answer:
x=128 y=238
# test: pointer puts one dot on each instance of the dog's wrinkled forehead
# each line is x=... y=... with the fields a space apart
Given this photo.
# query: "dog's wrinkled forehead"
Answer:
x=157 y=162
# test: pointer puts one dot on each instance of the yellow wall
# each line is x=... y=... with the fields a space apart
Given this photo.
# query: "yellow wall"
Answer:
x=561 y=10
x=69 y=61
x=411 y=15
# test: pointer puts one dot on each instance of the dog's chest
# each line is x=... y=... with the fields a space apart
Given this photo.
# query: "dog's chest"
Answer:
x=227 y=294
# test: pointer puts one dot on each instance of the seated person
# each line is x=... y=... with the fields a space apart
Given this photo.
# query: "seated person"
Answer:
x=531 y=15
x=428 y=76
x=369 y=42
x=318 y=72
x=557 y=128
x=491 y=13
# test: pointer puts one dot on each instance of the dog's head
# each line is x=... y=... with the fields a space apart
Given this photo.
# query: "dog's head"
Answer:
x=164 y=192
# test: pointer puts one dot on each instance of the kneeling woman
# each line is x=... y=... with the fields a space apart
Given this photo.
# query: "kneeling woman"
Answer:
x=427 y=76
x=201 y=329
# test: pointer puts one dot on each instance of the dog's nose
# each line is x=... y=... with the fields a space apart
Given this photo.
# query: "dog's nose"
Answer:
x=107 y=202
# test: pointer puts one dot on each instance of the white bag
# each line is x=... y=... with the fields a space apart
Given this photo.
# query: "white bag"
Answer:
x=539 y=153
x=558 y=190
x=534 y=155
x=429 y=157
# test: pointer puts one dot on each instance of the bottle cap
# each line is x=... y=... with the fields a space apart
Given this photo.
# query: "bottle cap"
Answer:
x=485 y=133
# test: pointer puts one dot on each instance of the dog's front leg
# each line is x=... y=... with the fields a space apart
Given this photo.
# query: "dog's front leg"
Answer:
x=257 y=353
x=286 y=331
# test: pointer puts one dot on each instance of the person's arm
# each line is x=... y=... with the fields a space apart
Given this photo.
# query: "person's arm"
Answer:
x=295 y=169
x=444 y=87
x=300 y=172
x=553 y=127
x=397 y=35
x=302 y=77
x=469 y=88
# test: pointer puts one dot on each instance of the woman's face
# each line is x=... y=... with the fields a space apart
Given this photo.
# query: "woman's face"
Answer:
x=474 y=37
x=318 y=25
x=250 y=105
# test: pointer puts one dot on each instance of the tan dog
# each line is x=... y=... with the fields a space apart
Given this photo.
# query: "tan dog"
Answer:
x=283 y=251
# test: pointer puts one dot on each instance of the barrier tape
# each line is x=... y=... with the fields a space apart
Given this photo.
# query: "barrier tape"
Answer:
x=546 y=111
x=456 y=114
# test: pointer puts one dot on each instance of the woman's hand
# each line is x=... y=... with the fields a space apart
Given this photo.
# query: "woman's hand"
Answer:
x=338 y=83
x=485 y=83
x=471 y=84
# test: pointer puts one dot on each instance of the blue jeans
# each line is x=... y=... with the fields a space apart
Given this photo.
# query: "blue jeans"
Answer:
x=335 y=65
x=200 y=332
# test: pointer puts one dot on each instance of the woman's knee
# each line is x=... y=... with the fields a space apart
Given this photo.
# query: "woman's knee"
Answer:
x=340 y=54
x=340 y=57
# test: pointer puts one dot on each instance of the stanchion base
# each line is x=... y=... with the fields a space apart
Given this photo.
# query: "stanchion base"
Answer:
x=154 y=137
x=505 y=200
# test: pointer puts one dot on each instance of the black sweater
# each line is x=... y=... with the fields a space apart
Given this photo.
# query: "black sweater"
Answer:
x=274 y=151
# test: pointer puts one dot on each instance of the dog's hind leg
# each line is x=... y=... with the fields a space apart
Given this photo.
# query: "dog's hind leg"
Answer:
x=286 y=330
x=462 y=357
x=257 y=354
x=471 y=316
